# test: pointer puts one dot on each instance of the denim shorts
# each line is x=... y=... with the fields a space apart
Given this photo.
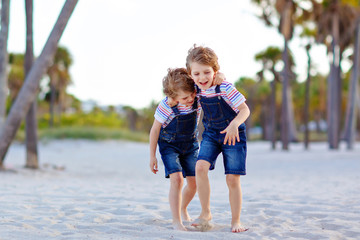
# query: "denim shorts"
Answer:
x=234 y=156
x=179 y=156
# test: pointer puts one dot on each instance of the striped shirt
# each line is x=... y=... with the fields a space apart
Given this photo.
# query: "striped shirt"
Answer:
x=164 y=113
x=228 y=92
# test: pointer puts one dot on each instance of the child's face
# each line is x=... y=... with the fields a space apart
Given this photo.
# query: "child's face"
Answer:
x=185 y=98
x=203 y=75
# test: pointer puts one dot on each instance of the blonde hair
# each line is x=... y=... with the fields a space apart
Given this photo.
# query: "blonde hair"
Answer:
x=175 y=80
x=202 y=55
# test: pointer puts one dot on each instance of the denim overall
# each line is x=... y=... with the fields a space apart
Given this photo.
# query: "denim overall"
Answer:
x=217 y=116
x=217 y=113
x=182 y=128
x=178 y=143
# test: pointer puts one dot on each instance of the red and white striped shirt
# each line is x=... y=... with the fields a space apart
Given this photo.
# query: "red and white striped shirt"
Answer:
x=228 y=92
x=164 y=113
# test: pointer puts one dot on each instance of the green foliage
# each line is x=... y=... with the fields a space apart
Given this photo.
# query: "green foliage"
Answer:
x=16 y=59
x=8 y=105
x=93 y=133
x=354 y=3
x=75 y=103
x=63 y=57
x=256 y=94
x=308 y=32
x=16 y=75
x=246 y=86
x=271 y=53
x=147 y=117
x=317 y=98
x=264 y=90
x=93 y=119
x=97 y=125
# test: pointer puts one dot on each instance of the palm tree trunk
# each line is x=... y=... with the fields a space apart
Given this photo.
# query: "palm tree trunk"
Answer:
x=28 y=91
x=292 y=128
x=52 y=100
x=61 y=99
x=273 y=115
x=333 y=91
x=31 y=123
x=307 y=99
x=249 y=122
x=350 y=121
x=263 y=121
x=4 y=33
x=285 y=100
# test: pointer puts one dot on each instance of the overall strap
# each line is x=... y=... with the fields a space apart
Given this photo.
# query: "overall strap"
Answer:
x=195 y=104
x=175 y=110
x=217 y=89
x=197 y=89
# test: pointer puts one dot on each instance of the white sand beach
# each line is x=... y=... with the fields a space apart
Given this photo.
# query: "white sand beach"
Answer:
x=105 y=190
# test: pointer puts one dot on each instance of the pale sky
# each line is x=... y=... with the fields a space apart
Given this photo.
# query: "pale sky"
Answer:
x=122 y=48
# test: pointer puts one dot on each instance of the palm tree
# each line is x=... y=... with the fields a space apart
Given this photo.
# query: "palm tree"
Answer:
x=334 y=19
x=309 y=35
x=350 y=121
x=307 y=98
x=59 y=80
x=4 y=33
x=269 y=58
x=28 y=91
x=64 y=78
x=31 y=121
x=285 y=9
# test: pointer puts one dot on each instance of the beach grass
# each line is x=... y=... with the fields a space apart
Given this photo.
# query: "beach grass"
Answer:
x=91 y=133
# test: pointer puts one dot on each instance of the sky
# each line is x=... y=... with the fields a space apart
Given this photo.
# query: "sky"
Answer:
x=121 y=49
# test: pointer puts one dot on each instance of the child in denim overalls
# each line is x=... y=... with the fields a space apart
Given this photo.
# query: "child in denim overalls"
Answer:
x=225 y=112
x=174 y=130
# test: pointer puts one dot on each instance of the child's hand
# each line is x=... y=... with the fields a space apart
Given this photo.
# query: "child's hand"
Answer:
x=172 y=102
x=219 y=78
x=153 y=165
x=232 y=134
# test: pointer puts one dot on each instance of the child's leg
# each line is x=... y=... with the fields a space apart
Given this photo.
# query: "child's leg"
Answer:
x=235 y=199
x=203 y=189
x=188 y=194
x=176 y=183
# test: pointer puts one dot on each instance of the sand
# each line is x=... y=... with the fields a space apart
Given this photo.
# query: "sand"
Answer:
x=105 y=190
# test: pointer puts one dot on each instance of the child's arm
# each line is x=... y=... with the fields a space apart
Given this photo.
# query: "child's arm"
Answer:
x=219 y=78
x=232 y=133
x=154 y=136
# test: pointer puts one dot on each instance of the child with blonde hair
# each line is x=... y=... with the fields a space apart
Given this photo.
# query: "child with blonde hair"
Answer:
x=225 y=112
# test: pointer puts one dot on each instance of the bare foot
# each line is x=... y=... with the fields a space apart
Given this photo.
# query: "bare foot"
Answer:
x=202 y=225
x=201 y=220
x=238 y=227
x=179 y=227
x=185 y=216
